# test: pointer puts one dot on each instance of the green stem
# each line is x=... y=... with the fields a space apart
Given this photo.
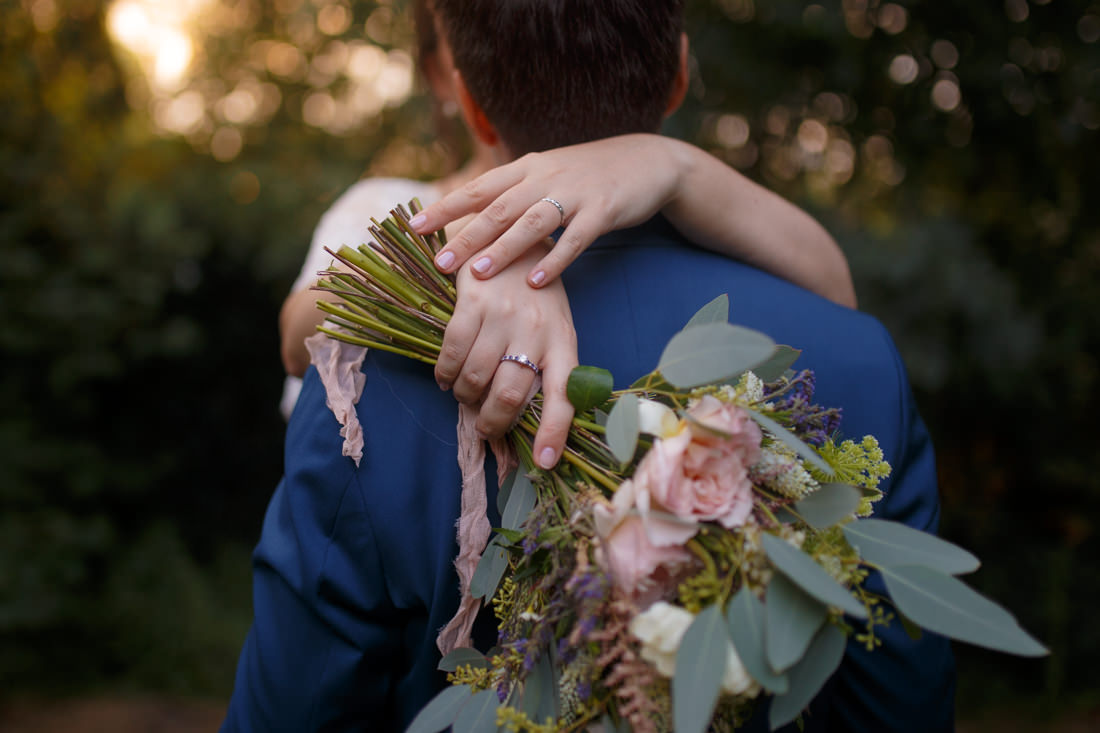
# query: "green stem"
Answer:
x=589 y=425
x=587 y=468
x=400 y=337
x=369 y=343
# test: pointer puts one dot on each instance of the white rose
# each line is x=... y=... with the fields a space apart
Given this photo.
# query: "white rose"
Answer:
x=661 y=628
x=736 y=680
x=657 y=419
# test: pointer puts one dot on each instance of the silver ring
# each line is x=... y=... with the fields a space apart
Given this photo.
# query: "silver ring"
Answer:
x=561 y=210
x=523 y=360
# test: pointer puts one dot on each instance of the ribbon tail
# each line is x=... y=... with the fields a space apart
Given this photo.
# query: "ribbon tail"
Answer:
x=340 y=365
x=473 y=530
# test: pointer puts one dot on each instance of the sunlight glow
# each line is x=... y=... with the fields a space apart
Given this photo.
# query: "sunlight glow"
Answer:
x=346 y=80
x=157 y=33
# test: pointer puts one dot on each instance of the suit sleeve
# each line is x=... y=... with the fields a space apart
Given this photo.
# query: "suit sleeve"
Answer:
x=324 y=651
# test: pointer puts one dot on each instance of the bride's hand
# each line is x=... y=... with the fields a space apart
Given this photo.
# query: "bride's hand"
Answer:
x=623 y=181
x=504 y=316
x=601 y=186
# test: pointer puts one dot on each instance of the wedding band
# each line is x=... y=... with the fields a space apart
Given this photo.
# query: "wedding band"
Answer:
x=523 y=360
x=561 y=210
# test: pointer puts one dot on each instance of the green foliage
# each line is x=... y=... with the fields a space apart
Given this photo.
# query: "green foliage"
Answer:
x=745 y=621
x=944 y=604
x=716 y=311
x=622 y=427
x=700 y=666
x=830 y=504
x=808 y=676
x=441 y=711
x=801 y=569
x=791 y=618
x=710 y=352
x=890 y=544
x=589 y=387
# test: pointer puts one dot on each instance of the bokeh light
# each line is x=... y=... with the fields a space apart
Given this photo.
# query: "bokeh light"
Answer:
x=312 y=59
x=904 y=69
x=946 y=94
x=893 y=18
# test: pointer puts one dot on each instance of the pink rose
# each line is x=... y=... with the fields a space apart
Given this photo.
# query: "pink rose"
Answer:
x=702 y=474
x=643 y=554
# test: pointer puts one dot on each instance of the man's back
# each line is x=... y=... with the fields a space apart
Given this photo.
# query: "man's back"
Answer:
x=357 y=563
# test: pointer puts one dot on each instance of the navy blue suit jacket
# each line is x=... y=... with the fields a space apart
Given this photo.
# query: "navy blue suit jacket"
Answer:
x=353 y=574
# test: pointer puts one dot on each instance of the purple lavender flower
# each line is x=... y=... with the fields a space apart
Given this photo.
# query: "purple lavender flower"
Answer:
x=812 y=423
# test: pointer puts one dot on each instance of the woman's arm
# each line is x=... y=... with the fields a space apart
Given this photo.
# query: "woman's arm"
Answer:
x=623 y=181
x=298 y=320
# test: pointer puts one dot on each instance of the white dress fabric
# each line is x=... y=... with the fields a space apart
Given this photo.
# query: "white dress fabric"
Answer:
x=348 y=221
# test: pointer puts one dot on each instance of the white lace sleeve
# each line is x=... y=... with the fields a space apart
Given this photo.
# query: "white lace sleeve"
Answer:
x=348 y=219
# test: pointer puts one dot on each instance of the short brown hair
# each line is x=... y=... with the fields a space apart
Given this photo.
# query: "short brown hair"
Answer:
x=549 y=73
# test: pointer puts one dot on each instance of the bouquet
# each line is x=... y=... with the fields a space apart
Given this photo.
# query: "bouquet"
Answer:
x=703 y=543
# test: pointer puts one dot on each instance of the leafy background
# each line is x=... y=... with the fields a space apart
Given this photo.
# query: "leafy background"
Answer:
x=152 y=218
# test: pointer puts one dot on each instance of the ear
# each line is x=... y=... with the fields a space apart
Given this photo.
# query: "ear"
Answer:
x=473 y=114
x=680 y=83
x=438 y=80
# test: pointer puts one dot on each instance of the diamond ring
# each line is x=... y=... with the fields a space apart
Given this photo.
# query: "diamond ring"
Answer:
x=524 y=361
x=559 y=207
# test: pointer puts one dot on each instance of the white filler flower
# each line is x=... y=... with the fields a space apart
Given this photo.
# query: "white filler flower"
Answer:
x=661 y=627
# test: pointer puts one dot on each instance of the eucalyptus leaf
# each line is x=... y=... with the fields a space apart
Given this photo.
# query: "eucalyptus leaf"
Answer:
x=791 y=618
x=945 y=605
x=462 y=657
x=889 y=544
x=700 y=666
x=778 y=364
x=608 y=725
x=716 y=311
x=781 y=433
x=540 y=692
x=652 y=382
x=479 y=715
x=801 y=569
x=830 y=504
x=509 y=537
x=521 y=500
x=490 y=569
x=712 y=352
x=441 y=711
x=745 y=620
x=784 y=516
x=808 y=676
x=505 y=490
x=622 y=427
x=912 y=630
x=588 y=387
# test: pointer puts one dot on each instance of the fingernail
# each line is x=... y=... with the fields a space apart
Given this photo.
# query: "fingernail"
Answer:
x=445 y=260
x=417 y=221
x=538 y=277
x=443 y=385
x=482 y=265
x=547 y=458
